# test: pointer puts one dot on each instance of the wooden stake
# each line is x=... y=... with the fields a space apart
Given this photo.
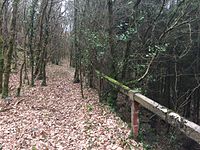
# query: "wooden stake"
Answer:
x=135 y=118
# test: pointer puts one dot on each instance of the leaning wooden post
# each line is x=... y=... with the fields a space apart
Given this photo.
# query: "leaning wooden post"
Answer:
x=135 y=118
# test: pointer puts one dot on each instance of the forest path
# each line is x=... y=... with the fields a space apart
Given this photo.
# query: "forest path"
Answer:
x=57 y=118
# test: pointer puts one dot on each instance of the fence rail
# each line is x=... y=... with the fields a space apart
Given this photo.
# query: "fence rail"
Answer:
x=189 y=128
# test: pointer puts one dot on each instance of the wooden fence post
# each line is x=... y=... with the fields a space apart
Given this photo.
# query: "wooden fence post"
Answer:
x=189 y=128
x=135 y=118
x=100 y=88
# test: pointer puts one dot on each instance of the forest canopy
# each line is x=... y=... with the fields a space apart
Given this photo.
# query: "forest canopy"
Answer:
x=150 y=46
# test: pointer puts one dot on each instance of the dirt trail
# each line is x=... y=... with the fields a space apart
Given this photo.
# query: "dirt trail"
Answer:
x=57 y=118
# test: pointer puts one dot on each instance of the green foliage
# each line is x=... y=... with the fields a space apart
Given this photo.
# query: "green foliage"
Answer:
x=112 y=98
x=85 y=57
x=16 y=1
x=153 y=50
x=160 y=32
x=110 y=101
x=93 y=42
x=89 y=107
x=34 y=148
x=147 y=146
x=142 y=140
x=172 y=138
x=131 y=135
x=97 y=41
x=1 y=41
x=127 y=35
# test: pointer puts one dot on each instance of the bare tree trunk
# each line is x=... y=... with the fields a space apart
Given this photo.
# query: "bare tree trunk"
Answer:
x=1 y=46
x=8 y=55
x=34 y=4
x=125 y=61
x=20 y=81
x=38 y=68
x=1 y=66
x=26 y=78
x=76 y=48
x=25 y=32
x=111 y=38
x=112 y=95
x=81 y=79
x=44 y=52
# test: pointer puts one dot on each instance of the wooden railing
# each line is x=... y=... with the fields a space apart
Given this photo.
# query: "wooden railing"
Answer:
x=189 y=128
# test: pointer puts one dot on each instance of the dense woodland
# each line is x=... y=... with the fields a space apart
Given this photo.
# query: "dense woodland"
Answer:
x=151 y=46
x=32 y=34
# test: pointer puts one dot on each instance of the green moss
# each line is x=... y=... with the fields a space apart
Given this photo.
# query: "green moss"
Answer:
x=1 y=40
x=116 y=83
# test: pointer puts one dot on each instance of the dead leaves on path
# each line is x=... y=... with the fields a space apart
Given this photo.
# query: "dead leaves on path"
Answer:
x=57 y=118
